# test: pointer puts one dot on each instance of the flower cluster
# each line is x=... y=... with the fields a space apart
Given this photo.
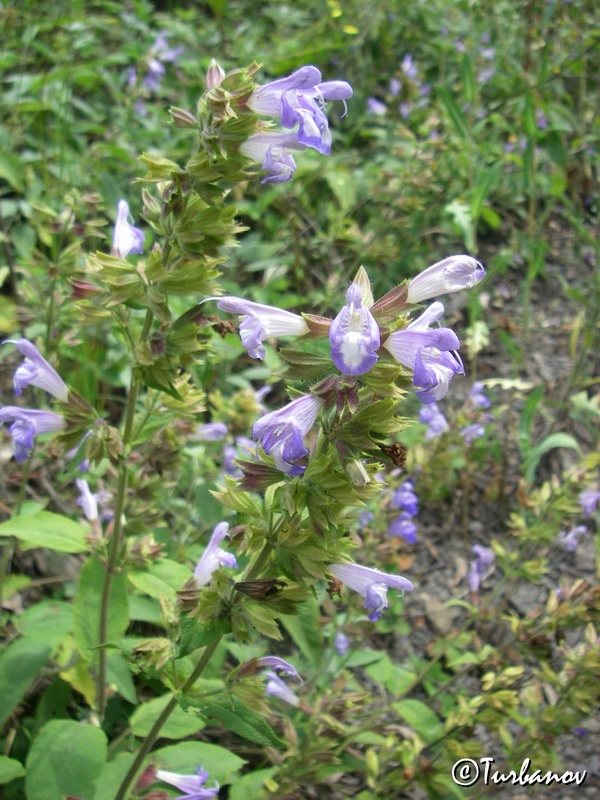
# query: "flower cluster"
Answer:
x=297 y=103
x=24 y=423
x=405 y=499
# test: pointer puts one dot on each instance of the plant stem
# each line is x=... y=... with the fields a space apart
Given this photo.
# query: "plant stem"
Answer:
x=148 y=742
x=115 y=542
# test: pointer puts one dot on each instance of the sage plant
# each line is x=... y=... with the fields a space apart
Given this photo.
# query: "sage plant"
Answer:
x=284 y=506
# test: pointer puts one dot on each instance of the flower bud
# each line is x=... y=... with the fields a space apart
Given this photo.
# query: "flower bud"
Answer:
x=214 y=75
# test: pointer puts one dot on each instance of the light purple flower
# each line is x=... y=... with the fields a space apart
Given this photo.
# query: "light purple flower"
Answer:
x=214 y=555
x=376 y=107
x=588 y=501
x=404 y=109
x=282 y=432
x=154 y=75
x=569 y=540
x=404 y=497
x=409 y=68
x=261 y=322
x=405 y=527
x=214 y=75
x=429 y=352
x=341 y=643
x=209 y=432
x=131 y=78
x=477 y=396
x=485 y=75
x=372 y=584
x=395 y=87
x=299 y=100
x=432 y=416
x=162 y=50
x=277 y=688
x=484 y=559
x=87 y=501
x=230 y=455
x=190 y=785
x=26 y=425
x=36 y=371
x=472 y=432
x=126 y=238
x=365 y=519
x=274 y=662
x=450 y=275
x=271 y=151
x=541 y=119
x=354 y=335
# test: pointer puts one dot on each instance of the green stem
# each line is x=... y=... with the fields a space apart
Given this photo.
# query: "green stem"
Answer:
x=115 y=542
x=148 y=742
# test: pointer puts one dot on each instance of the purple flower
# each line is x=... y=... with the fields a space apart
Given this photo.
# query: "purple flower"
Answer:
x=409 y=68
x=190 y=785
x=161 y=49
x=274 y=662
x=432 y=416
x=395 y=87
x=214 y=555
x=209 y=432
x=404 y=109
x=477 y=397
x=403 y=526
x=299 y=100
x=365 y=519
x=26 y=425
x=271 y=151
x=35 y=370
x=376 y=107
x=131 y=78
x=372 y=584
x=450 y=275
x=261 y=322
x=588 y=501
x=483 y=561
x=230 y=455
x=430 y=353
x=354 y=335
x=541 y=119
x=153 y=77
x=87 y=501
x=282 y=432
x=277 y=688
x=472 y=432
x=405 y=498
x=569 y=540
x=126 y=238
x=341 y=643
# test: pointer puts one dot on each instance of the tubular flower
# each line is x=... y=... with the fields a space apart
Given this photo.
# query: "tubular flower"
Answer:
x=274 y=662
x=282 y=432
x=403 y=526
x=477 y=397
x=432 y=416
x=276 y=687
x=299 y=100
x=26 y=425
x=209 y=432
x=372 y=584
x=190 y=785
x=429 y=352
x=484 y=559
x=450 y=275
x=341 y=643
x=260 y=322
x=569 y=540
x=87 y=501
x=472 y=432
x=36 y=371
x=272 y=152
x=354 y=335
x=405 y=498
x=126 y=238
x=588 y=501
x=214 y=555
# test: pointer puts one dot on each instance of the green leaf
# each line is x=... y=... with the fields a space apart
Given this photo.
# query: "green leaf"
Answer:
x=45 y=529
x=10 y=769
x=549 y=443
x=112 y=775
x=233 y=715
x=87 y=609
x=250 y=785
x=486 y=180
x=66 y=759
x=48 y=622
x=20 y=664
x=195 y=634
x=456 y=115
x=119 y=676
x=305 y=630
x=179 y=725
x=221 y=764
x=421 y=718
x=527 y=416
x=13 y=584
x=161 y=579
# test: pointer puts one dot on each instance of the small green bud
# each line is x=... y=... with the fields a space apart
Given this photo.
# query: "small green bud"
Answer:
x=182 y=118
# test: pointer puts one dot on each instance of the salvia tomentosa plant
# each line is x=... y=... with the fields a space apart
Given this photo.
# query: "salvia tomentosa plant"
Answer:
x=286 y=501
